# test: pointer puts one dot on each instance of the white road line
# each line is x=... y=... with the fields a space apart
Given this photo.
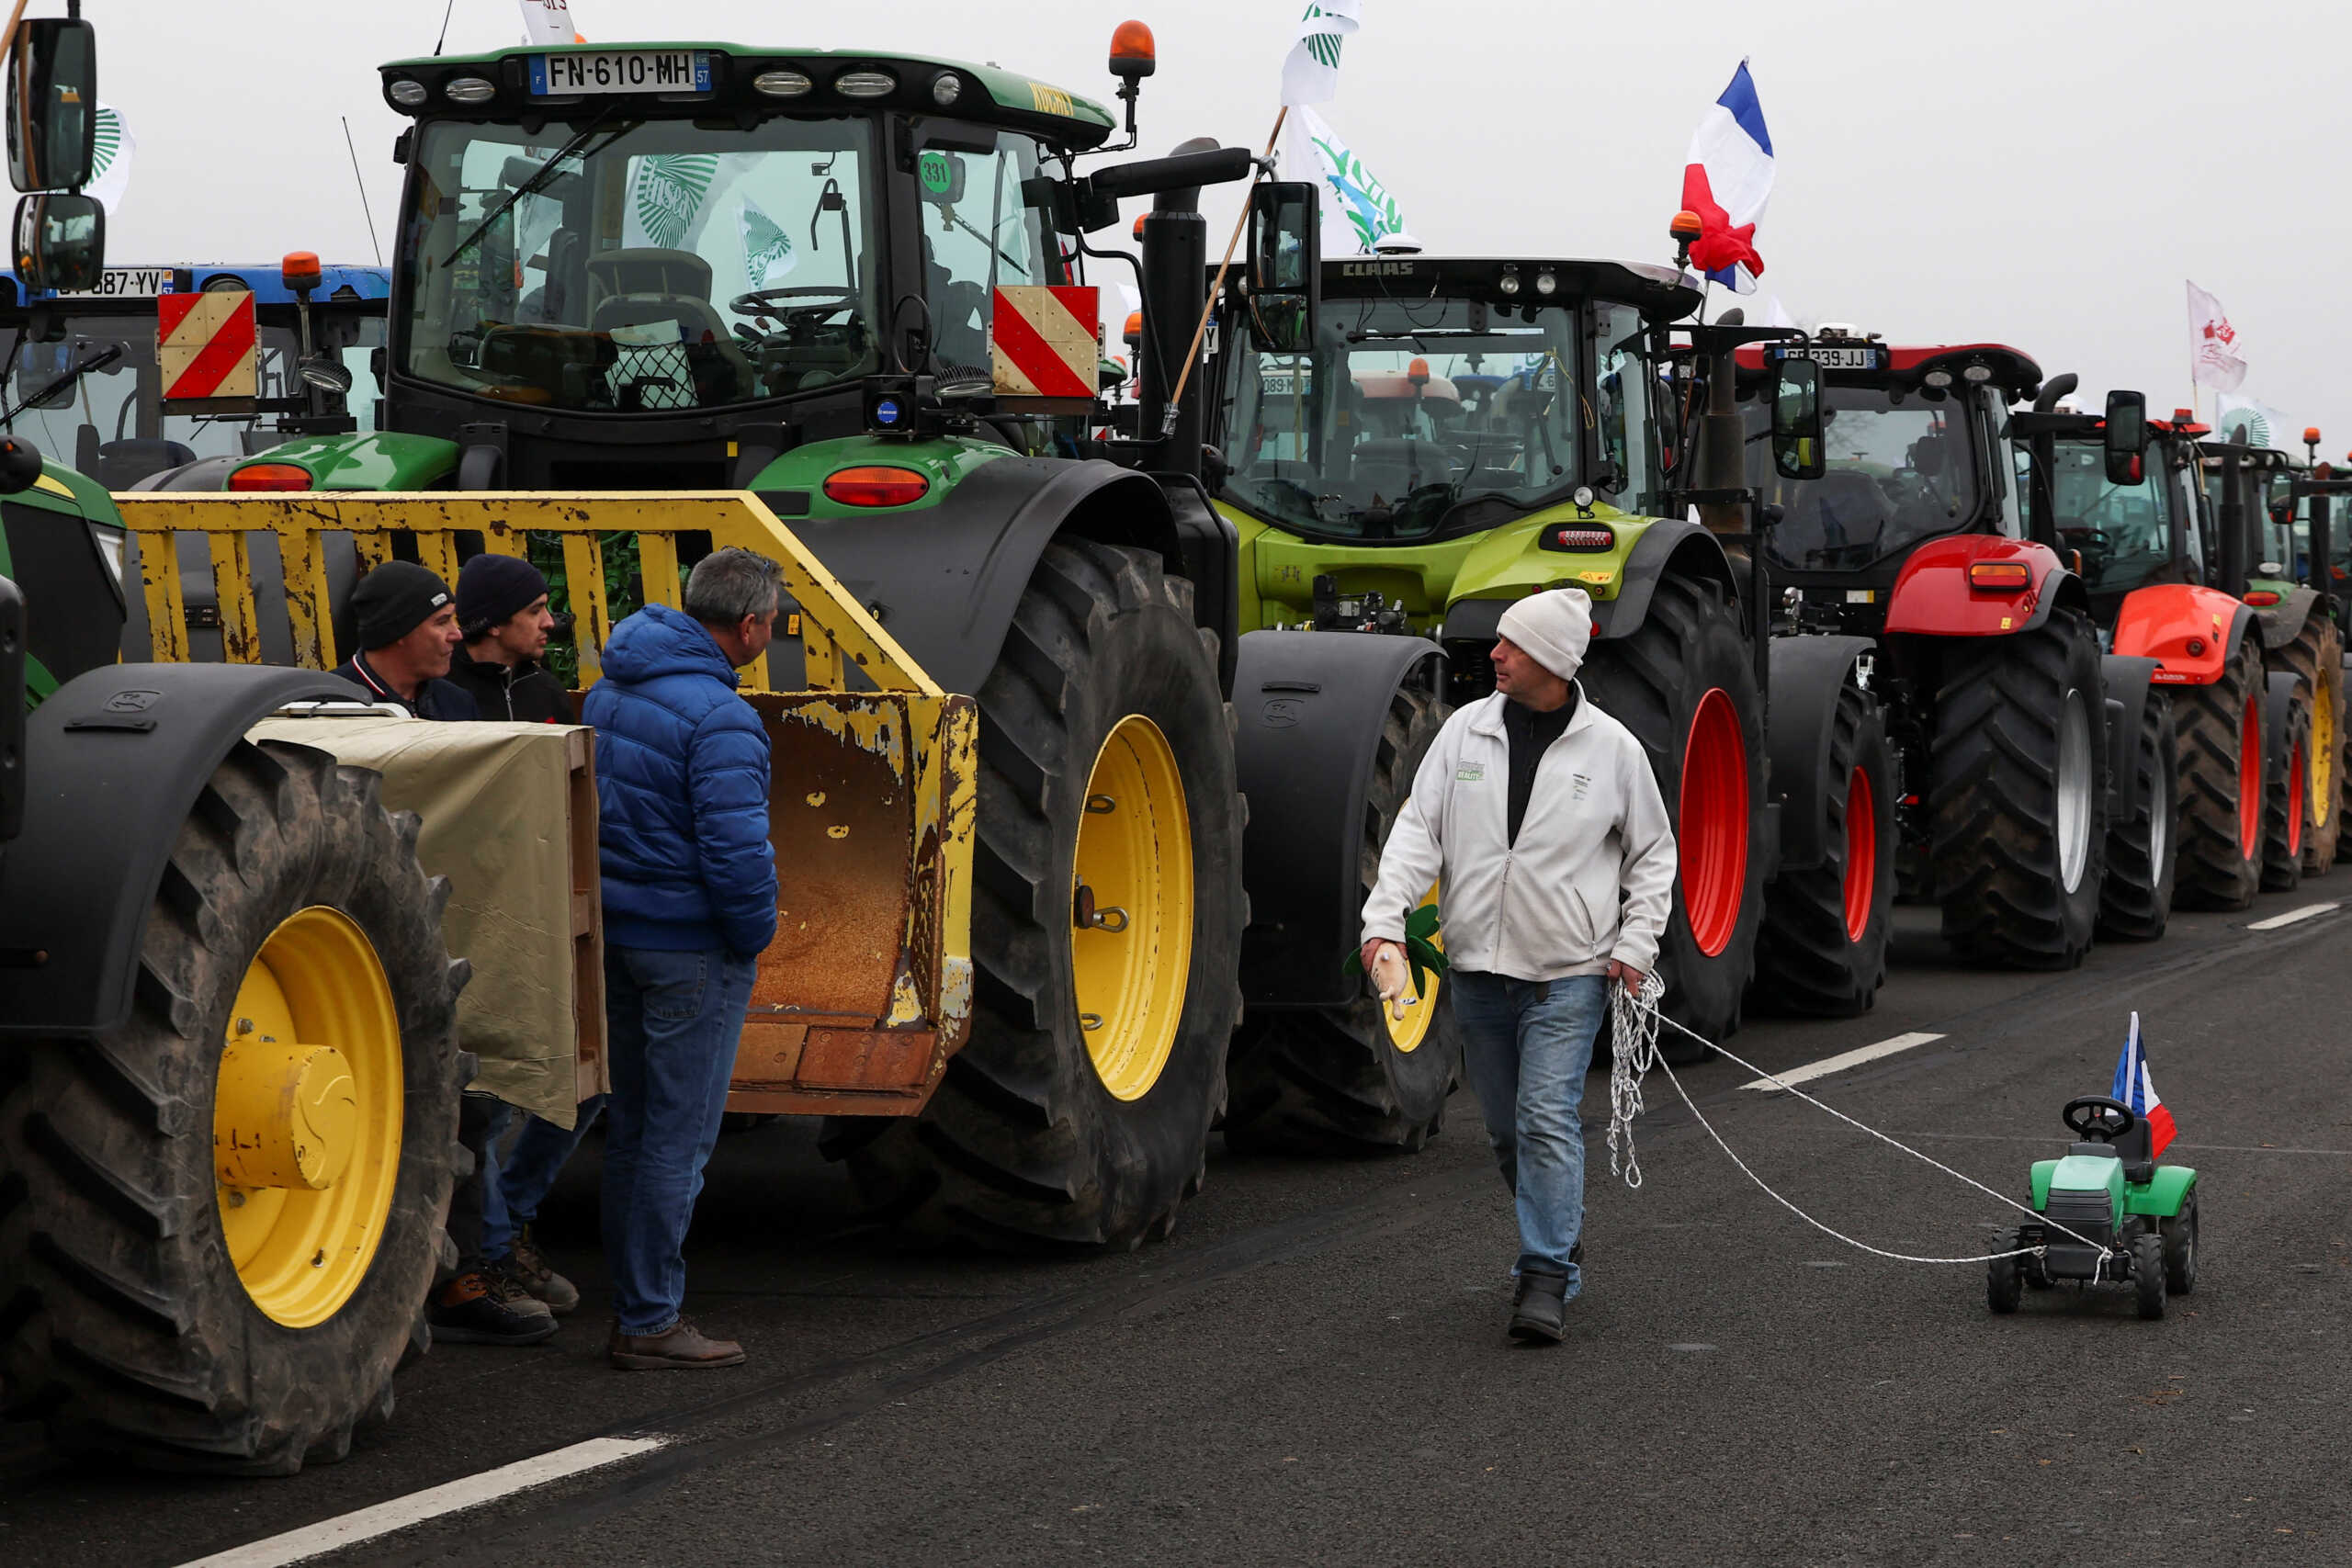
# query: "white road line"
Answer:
x=1840 y=1063
x=2292 y=916
x=471 y=1492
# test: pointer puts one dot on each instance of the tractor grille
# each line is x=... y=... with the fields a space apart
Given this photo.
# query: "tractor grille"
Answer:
x=2087 y=1214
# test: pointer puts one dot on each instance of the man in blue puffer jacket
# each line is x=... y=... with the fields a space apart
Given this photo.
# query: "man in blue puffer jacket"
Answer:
x=690 y=900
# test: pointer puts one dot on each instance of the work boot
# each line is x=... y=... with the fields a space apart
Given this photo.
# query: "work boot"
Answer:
x=484 y=1308
x=528 y=1268
x=1539 y=1309
x=680 y=1345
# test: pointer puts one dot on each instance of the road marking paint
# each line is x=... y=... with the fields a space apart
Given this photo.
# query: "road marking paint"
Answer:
x=2292 y=916
x=1840 y=1063
x=470 y=1491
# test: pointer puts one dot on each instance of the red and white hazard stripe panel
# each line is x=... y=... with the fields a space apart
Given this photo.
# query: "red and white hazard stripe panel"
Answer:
x=206 y=345
x=1043 y=341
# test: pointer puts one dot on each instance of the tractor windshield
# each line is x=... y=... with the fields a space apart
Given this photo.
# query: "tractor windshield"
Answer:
x=658 y=264
x=1405 y=411
x=2123 y=532
x=1901 y=470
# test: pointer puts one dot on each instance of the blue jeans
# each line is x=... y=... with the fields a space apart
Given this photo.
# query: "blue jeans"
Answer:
x=1527 y=1045
x=675 y=1018
x=518 y=1184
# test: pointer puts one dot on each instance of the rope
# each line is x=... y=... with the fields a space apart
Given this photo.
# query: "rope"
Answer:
x=1635 y=1019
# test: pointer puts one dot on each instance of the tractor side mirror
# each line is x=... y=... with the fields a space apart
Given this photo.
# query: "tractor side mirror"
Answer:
x=2127 y=435
x=1797 y=421
x=53 y=104
x=1285 y=265
x=61 y=240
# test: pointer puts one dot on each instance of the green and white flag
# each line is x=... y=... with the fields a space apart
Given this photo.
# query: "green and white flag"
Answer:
x=768 y=249
x=2255 y=423
x=665 y=194
x=1311 y=73
x=111 y=168
x=1358 y=212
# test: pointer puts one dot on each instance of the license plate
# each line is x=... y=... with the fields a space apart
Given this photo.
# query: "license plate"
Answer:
x=1861 y=357
x=131 y=282
x=621 y=70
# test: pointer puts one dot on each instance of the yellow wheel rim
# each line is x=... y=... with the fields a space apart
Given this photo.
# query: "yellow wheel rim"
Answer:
x=1131 y=907
x=1407 y=1032
x=306 y=1117
x=2320 y=798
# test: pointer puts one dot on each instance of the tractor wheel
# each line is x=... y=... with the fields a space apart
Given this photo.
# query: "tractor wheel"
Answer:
x=2180 y=1247
x=1106 y=928
x=1685 y=684
x=1823 y=946
x=2004 y=1280
x=2018 y=795
x=1353 y=1077
x=2148 y=1274
x=216 y=1242
x=2142 y=853
x=2286 y=799
x=2221 y=784
x=2316 y=658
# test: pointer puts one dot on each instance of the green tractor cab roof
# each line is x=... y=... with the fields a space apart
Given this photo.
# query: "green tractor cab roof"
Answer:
x=1661 y=293
x=697 y=78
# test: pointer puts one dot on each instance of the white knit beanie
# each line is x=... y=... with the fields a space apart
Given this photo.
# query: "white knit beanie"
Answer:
x=1553 y=628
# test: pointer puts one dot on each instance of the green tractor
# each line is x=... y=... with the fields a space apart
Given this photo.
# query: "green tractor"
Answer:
x=1461 y=433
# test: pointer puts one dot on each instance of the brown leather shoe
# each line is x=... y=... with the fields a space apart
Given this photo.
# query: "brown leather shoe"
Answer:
x=683 y=1344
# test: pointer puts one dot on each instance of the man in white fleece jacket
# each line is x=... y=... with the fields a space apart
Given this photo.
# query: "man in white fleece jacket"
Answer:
x=1536 y=814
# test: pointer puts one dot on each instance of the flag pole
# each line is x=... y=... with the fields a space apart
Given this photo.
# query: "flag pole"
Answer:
x=1201 y=328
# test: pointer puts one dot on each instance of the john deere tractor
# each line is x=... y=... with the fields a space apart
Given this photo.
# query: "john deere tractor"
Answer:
x=228 y=1072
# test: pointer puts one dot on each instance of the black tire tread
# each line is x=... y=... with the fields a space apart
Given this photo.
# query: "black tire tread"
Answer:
x=2135 y=900
x=2212 y=872
x=2315 y=657
x=1805 y=961
x=2282 y=856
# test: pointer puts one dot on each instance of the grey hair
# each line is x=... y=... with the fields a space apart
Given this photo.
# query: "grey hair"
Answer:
x=728 y=584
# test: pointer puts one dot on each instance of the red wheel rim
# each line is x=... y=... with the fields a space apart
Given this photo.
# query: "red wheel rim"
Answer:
x=1861 y=854
x=1712 y=838
x=2295 y=765
x=2250 y=782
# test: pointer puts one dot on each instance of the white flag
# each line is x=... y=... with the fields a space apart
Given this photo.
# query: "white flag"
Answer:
x=547 y=21
x=1311 y=74
x=2221 y=361
x=1358 y=212
x=110 y=165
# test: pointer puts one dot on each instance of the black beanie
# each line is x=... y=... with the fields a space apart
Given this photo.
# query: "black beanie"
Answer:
x=393 y=600
x=492 y=588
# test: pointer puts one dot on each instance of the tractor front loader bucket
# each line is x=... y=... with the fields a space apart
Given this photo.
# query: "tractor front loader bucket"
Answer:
x=867 y=988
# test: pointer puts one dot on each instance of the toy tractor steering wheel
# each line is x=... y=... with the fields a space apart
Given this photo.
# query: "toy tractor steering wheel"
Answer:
x=2095 y=1118
x=769 y=304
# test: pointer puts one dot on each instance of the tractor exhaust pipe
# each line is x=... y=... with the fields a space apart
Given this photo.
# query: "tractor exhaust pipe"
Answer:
x=1175 y=286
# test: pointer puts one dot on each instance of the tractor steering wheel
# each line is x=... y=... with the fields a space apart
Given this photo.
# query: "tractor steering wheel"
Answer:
x=769 y=303
x=2095 y=1118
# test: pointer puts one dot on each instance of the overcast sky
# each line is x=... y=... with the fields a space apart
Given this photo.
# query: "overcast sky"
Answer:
x=2044 y=174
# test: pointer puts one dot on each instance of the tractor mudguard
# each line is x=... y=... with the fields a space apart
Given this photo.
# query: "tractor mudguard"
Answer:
x=1667 y=546
x=1808 y=672
x=1933 y=595
x=116 y=761
x=944 y=581
x=2161 y=622
x=2163 y=1194
x=2283 y=622
x=2041 y=1172
x=2125 y=679
x=1311 y=707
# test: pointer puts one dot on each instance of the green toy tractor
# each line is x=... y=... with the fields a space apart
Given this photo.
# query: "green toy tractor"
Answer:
x=2111 y=1215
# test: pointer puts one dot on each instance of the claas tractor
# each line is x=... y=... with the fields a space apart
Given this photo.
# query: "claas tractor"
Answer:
x=228 y=1069
x=1465 y=431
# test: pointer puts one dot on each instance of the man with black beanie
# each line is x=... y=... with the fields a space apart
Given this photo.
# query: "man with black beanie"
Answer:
x=502 y=614
x=407 y=630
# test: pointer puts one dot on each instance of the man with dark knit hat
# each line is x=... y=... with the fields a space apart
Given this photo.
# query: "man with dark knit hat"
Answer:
x=1539 y=817
x=407 y=630
x=502 y=614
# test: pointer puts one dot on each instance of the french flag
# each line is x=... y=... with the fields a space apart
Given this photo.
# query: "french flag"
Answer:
x=1727 y=181
x=2135 y=1089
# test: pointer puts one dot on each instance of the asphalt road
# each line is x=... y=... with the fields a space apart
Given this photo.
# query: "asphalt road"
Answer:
x=1314 y=1368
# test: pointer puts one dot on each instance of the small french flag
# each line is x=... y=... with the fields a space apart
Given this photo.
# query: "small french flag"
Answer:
x=1727 y=181
x=2135 y=1089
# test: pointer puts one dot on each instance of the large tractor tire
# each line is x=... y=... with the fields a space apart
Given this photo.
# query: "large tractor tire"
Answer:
x=2221 y=784
x=218 y=1222
x=2143 y=853
x=2286 y=798
x=1684 y=683
x=1353 y=1077
x=1106 y=928
x=2315 y=657
x=1823 y=947
x=2017 y=795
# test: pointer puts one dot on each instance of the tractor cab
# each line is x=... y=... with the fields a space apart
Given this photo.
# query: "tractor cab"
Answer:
x=1914 y=448
x=2158 y=526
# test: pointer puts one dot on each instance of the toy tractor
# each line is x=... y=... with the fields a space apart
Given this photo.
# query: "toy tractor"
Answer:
x=2113 y=1216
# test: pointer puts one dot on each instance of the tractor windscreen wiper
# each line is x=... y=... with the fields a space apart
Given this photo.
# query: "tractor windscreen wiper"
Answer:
x=539 y=176
x=64 y=379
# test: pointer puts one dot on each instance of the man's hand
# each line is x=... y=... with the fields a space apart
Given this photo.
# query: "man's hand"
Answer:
x=1627 y=975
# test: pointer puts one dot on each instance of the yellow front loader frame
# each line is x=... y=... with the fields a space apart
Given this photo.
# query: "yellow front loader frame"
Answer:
x=867 y=988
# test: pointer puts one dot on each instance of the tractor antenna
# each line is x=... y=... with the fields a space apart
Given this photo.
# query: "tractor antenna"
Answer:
x=452 y=5
x=362 y=184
